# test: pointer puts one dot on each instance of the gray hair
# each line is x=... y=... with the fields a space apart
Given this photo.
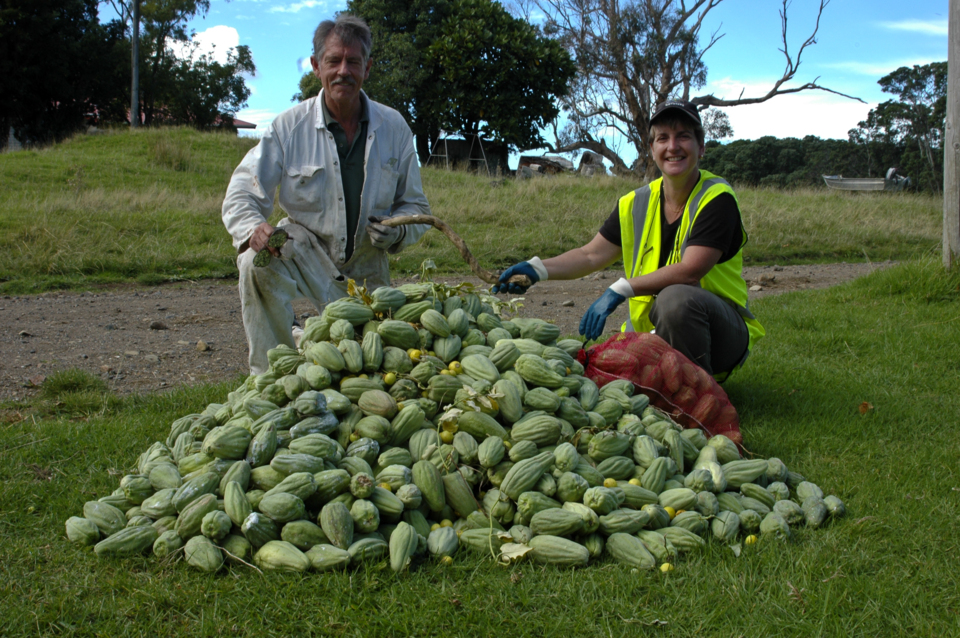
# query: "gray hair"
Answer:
x=349 y=28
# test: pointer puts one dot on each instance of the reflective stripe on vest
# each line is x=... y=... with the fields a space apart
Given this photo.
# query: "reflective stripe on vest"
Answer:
x=694 y=204
x=640 y=204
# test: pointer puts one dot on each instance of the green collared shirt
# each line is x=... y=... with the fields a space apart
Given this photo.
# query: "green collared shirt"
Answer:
x=351 y=166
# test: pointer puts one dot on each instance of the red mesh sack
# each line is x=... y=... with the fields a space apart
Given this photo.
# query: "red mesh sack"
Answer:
x=674 y=384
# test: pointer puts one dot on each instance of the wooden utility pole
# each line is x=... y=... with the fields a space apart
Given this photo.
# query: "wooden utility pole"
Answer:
x=135 y=68
x=951 y=146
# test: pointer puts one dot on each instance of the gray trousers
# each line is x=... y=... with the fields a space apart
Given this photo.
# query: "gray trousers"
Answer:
x=705 y=328
x=304 y=271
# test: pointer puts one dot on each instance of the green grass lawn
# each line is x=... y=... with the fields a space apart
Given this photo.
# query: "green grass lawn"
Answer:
x=144 y=206
x=887 y=569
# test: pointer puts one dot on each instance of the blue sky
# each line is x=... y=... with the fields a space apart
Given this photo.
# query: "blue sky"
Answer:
x=859 y=41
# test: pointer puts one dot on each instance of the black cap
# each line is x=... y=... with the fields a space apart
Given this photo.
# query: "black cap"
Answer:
x=687 y=108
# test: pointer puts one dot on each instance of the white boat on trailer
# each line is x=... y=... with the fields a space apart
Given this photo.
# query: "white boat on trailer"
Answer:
x=892 y=182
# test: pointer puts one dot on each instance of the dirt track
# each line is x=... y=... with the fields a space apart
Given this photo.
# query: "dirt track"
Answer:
x=145 y=339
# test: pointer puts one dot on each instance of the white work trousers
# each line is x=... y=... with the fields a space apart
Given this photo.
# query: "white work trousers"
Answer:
x=304 y=271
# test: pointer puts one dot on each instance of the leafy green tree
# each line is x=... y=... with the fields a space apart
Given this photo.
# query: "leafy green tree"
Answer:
x=716 y=124
x=915 y=120
x=466 y=66
x=164 y=21
x=309 y=87
x=500 y=76
x=206 y=92
x=57 y=66
x=784 y=162
x=185 y=88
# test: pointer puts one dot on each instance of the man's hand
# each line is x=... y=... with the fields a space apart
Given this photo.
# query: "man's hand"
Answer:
x=260 y=237
x=591 y=326
x=382 y=237
x=523 y=268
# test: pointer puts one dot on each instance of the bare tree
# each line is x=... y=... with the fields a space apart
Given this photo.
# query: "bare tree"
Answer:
x=634 y=54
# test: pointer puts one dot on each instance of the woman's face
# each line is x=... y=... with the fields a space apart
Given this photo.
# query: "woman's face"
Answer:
x=675 y=150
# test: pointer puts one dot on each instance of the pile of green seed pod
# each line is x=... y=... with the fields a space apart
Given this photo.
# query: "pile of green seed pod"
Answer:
x=415 y=422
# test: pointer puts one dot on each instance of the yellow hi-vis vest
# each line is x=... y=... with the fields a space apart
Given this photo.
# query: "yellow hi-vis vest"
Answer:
x=641 y=252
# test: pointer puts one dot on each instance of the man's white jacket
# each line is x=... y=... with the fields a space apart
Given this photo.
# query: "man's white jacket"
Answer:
x=298 y=154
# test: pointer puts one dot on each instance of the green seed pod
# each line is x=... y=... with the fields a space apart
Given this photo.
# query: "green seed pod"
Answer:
x=167 y=543
x=366 y=516
x=774 y=525
x=361 y=485
x=216 y=525
x=82 y=531
x=237 y=548
x=749 y=521
x=202 y=554
x=281 y=556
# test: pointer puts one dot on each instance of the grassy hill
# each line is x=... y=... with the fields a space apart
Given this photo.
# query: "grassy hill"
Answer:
x=145 y=206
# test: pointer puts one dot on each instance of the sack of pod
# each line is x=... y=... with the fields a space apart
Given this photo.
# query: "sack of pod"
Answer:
x=672 y=382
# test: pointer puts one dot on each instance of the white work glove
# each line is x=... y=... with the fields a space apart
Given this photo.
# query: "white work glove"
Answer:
x=384 y=237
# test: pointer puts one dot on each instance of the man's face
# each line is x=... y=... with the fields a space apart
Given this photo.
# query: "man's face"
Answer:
x=341 y=70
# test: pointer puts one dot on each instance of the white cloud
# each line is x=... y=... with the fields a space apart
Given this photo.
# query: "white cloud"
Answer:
x=297 y=6
x=215 y=42
x=819 y=113
x=875 y=69
x=926 y=27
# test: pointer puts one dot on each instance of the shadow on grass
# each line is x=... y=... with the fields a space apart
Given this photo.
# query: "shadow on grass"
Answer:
x=77 y=394
x=84 y=282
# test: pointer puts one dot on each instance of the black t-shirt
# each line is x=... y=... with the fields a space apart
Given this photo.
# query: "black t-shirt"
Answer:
x=717 y=226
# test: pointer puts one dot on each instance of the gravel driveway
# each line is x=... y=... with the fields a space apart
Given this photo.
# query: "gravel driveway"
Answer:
x=147 y=339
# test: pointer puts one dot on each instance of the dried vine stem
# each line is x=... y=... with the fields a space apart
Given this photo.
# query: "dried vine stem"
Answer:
x=487 y=276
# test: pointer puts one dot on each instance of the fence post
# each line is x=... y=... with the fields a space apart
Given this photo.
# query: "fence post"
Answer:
x=951 y=146
x=135 y=67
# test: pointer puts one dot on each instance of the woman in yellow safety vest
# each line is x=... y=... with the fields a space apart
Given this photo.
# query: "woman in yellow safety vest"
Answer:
x=681 y=240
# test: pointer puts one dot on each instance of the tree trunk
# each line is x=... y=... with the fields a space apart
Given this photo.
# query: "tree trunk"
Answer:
x=926 y=150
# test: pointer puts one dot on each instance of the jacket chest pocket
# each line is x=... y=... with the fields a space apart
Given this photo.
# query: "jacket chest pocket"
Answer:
x=304 y=185
x=387 y=187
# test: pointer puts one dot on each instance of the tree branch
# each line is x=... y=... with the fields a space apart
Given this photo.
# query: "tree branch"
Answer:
x=123 y=9
x=711 y=100
x=792 y=66
x=632 y=54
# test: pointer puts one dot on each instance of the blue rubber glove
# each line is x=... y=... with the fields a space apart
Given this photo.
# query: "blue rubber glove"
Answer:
x=591 y=326
x=523 y=268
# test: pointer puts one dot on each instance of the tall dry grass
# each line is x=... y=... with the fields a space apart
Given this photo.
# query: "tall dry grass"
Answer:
x=145 y=205
x=818 y=224
x=508 y=221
